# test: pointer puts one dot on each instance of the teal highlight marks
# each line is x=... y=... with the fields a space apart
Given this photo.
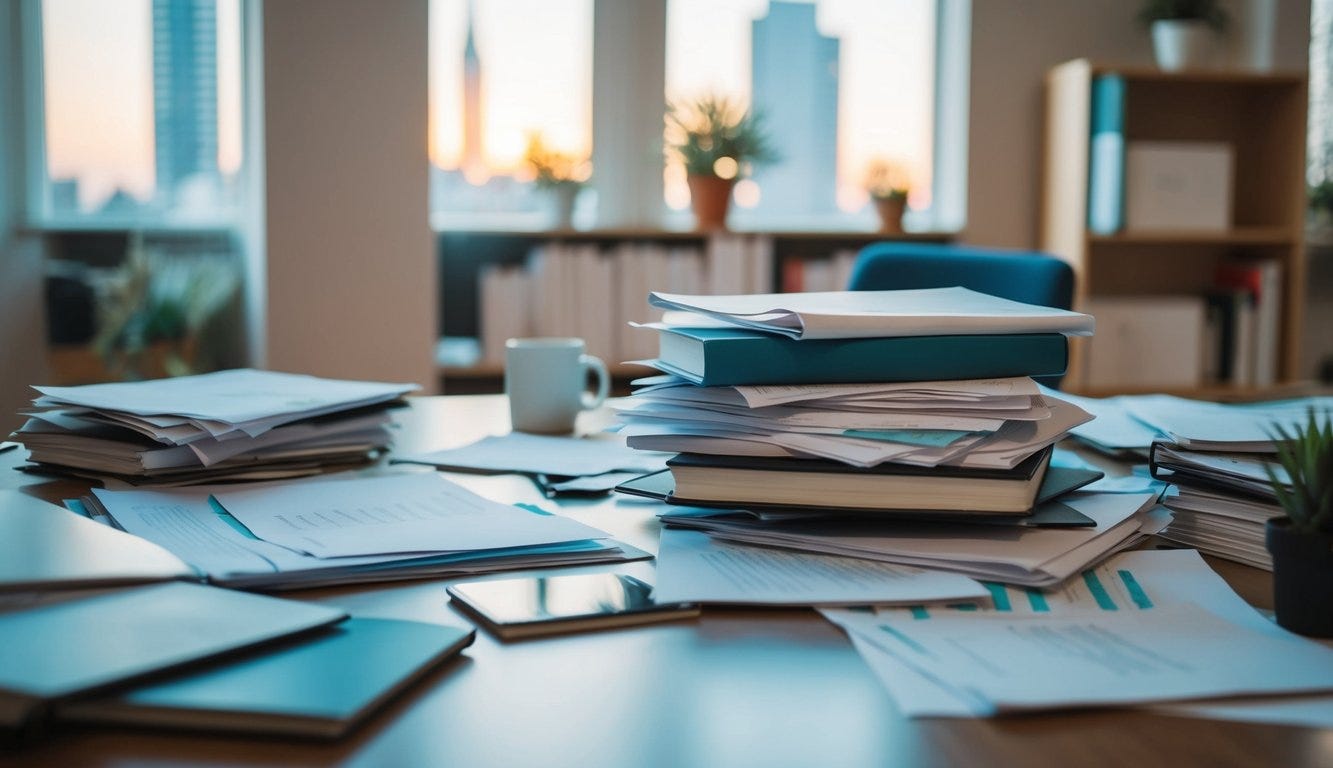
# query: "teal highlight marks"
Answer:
x=1099 y=592
x=999 y=595
x=1038 y=601
x=533 y=508
x=962 y=606
x=905 y=640
x=1136 y=592
x=920 y=612
x=226 y=517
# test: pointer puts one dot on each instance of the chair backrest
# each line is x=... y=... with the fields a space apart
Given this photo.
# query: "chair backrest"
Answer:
x=1027 y=276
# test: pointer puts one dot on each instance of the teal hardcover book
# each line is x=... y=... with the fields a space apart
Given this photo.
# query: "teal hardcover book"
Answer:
x=319 y=686
x=729 y=357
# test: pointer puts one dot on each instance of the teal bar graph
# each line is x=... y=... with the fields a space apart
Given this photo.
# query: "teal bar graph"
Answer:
x=1136 y=592
x=1038 y=601
x=1000 y=595
x=1099 y=593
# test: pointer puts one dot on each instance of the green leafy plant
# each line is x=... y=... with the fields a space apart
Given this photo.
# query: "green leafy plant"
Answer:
x=715 y=136
x=1207 y=11
x=1306 y=455
x=551 y=168
x=1321 y=196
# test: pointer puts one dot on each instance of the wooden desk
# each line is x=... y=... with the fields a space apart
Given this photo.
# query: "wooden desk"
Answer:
x=767 y=688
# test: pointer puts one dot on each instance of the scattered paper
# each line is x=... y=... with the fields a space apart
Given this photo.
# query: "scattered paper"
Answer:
x=692 y=567
x=541 y=454
x=420 y=512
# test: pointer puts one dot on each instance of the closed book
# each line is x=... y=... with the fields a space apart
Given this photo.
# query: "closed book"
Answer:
x=1106 y=156
x=68 y=648
x=729 y=357
x=742 y=480
x=317 y=686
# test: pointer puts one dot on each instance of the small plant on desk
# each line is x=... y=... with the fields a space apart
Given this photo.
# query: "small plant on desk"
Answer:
x=1302 y=542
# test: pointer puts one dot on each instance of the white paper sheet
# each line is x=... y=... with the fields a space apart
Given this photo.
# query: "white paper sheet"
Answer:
x=779 y=394
x=419 y=512
x=1026 y=556
x=230 y=396
x=1250 y=427
x=856 y=314
x=521 y=452
x=692 y=567
x=1145 y=582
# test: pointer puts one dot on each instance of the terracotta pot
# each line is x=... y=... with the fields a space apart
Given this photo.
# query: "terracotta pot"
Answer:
x=1302 y=578
x=890 y=211
x=710 y=197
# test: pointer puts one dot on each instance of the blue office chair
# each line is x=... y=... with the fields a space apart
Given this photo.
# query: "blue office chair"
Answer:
x=1026 y=276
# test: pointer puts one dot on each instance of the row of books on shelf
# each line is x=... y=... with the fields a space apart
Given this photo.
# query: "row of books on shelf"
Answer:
x=584 y=290
x=1228 y=336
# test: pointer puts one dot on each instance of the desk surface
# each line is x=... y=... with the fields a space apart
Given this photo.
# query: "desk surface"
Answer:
x=750 y=687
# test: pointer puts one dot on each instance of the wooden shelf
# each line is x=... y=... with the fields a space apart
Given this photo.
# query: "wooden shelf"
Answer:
x=1260 y=117
x=1260 y=236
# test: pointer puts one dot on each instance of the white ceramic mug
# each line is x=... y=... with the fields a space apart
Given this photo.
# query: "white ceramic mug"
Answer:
x=545 y=380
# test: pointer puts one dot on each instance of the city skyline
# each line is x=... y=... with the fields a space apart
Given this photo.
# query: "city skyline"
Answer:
x=98 y=71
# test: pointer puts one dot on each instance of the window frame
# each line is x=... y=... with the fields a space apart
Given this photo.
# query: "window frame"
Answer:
x=640 y=94
x=36 y=215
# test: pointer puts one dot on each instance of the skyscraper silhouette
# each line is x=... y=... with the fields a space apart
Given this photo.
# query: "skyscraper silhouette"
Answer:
x=794 y=82
x=473 y=163
x=185 y=94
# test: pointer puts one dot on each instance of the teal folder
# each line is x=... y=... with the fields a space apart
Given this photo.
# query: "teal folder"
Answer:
x=78 y=644
x=319 y=686
x=729 y=357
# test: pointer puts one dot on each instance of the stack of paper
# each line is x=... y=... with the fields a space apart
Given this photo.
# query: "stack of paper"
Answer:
x=1028 y=556
x=239 y=424
x=1151 y=626
x=320 y=532
x=991 y=423
x=1221 y=502
x=763 y=389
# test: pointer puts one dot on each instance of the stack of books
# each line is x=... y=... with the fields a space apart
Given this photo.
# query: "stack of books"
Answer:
x=1217 y=456
x=823 y=415
x=230 y=425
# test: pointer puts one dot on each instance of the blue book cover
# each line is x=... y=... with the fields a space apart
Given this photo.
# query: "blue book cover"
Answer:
x=1106 y=156
x=729 y=357
x=319 y=686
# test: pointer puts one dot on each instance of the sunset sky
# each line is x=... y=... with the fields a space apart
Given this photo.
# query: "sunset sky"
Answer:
x=537 y=63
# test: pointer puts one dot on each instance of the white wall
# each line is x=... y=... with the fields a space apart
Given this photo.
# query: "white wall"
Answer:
x=1014 y=43
x=22 y=309
x=351 y=266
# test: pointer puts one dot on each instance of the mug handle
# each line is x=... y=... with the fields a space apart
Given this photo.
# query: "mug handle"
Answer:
x=595 y=364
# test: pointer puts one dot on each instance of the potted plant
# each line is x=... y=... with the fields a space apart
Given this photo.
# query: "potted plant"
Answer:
x=717 y=141
x=1301 y=543
x=1321 y=204
x=560 y=173
x=1184 y=32
x=887 y=185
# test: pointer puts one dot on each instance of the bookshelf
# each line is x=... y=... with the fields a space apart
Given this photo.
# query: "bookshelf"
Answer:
x=466 y=256
x=1261 y=119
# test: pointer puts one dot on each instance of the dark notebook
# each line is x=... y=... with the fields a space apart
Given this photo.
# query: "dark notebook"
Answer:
x=317 y=686
x=1046 y=512
x=739 y=480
